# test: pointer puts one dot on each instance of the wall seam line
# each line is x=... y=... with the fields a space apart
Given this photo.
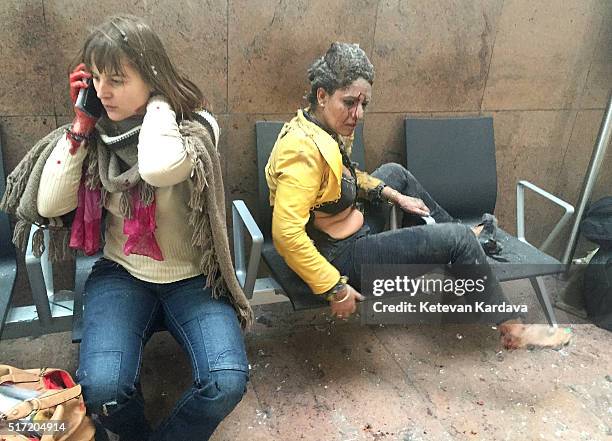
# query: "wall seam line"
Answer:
x=42 y=3
x=580 y=97
x=374 y=33
x=569 y=140
x=227 y=75
x=484 y=89
x=597 y=39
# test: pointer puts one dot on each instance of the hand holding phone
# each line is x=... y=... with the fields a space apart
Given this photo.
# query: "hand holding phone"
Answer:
x=77 y=81
x=88 y=101
x=87 y=107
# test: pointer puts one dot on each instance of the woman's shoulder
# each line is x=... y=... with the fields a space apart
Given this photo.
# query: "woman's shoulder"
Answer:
x=207 y=119
x=299 y=131
x=292 y=139
x=202 y=122
x=303 y=137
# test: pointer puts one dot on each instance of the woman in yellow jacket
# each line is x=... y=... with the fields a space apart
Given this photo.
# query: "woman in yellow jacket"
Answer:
x=314 y=187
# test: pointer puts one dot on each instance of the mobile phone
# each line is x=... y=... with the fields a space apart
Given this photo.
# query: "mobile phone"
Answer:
x=88 y=100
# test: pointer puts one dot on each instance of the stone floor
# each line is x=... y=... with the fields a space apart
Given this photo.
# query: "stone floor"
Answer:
x=314 y=378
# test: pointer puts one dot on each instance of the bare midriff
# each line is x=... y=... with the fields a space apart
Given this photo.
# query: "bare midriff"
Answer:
x=340 y=225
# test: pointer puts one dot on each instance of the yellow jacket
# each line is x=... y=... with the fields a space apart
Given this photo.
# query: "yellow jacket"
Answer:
x=304 y=171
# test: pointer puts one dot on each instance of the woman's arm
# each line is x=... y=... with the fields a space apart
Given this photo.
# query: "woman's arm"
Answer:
x=61 y=176
x=298 y=168
x=162 y=159
x=60 y=179
x=406 y=203
x=369 y=187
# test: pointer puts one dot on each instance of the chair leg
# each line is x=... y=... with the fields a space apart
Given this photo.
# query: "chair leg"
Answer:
x=393 y=215
x=6 y=293
x=540 y=290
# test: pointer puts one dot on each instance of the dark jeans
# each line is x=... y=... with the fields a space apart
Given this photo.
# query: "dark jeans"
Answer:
x=120 y=315
x=442 y=243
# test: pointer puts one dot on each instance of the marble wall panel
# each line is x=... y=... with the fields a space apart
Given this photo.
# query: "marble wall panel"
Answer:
x=64 y=119
x=383 y=136
x=433 y=56
x=272 y=43
x=599 y=79
x=19 y=134
x=241 y=150
x=68 y=23
x=572 y=174
x=542 y=54
x=195 y=36
x=196 y=42
x=530 y=145
x=241 y=160
x=26 y=89
x=578 y=155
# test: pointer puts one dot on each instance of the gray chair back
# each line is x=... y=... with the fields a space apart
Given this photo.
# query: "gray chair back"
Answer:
x=454 y=159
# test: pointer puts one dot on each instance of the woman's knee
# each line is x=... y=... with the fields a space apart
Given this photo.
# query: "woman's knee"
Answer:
x=392 y=168
x=225 y=389
x=103 y=391
x=453 y=235
x=463 y=241
x=396 y=175
x=231 y=384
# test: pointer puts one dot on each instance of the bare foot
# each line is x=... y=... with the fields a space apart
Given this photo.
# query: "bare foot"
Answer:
x=477 y=229
x=515 y=335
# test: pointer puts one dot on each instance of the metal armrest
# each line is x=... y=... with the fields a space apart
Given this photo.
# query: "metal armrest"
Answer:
x=520 y=212
x=241 y=218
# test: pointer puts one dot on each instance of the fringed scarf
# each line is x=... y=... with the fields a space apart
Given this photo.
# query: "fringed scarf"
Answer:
x=104 y=172
x=113 y=168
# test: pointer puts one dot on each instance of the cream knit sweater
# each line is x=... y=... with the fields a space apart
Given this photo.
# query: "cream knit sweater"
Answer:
x=164 y=164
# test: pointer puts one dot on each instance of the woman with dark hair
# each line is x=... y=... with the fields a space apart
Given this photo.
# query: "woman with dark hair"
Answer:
x=325 y=238
x=150 y=164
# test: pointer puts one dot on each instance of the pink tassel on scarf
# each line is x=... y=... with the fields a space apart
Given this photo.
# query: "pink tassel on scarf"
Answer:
x=140 y=229
x=85 y=231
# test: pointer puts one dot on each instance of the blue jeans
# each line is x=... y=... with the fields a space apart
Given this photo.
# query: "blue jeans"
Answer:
x=445 y=242
x=120 y=315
